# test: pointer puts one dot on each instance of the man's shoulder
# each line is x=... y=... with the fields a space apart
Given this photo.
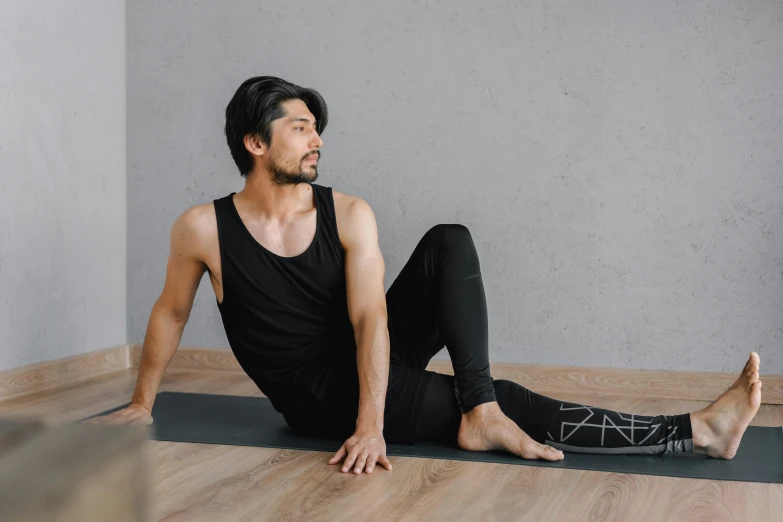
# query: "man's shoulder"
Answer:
x=200 y=218
x=354 y=218
x=349 y=205
x=342 y=199
x=199 y=224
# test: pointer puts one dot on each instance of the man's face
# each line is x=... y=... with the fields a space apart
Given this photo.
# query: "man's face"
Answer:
x=293 y=155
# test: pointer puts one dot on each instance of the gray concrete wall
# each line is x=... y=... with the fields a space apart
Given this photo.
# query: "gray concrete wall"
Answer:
x=62 y=179
x=619 y=163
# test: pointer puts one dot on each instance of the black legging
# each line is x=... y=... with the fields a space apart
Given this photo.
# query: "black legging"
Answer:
x=451 y=309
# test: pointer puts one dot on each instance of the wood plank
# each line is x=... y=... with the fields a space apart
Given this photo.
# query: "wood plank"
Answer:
x=194 y=482
x=665 y=384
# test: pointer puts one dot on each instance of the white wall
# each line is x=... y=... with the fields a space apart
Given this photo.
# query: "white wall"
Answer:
x=63 y=211
x=619 y=163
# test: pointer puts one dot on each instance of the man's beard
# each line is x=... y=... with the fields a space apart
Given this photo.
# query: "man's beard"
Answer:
x=281 y=176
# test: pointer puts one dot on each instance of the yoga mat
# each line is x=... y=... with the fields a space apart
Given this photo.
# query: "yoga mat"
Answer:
x=252 y=421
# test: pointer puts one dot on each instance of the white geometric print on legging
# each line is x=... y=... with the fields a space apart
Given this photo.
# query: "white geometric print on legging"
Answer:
x=619 y=432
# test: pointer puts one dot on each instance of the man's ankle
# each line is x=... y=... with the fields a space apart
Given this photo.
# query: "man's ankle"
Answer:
x=699 y=430
x=482 y=410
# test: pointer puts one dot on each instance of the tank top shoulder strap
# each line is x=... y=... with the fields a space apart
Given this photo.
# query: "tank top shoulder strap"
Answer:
x=328 y=217
x=221 y=205
x=224 y=213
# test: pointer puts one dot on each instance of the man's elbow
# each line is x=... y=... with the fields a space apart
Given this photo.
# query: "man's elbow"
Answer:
x=373 y=318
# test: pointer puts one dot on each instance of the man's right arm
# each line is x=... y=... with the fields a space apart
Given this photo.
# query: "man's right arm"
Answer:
x=169 y=315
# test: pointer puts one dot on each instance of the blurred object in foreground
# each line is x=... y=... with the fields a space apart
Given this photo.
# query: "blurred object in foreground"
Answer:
x=73 y=472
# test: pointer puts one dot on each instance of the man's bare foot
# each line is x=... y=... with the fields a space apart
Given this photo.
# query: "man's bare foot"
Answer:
x=718 y=428
x=486 y=427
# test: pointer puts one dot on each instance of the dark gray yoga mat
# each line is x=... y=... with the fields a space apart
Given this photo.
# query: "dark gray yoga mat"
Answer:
x=252 y=421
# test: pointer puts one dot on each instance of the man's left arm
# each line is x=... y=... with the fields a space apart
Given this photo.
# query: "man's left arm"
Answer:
x=364 y=273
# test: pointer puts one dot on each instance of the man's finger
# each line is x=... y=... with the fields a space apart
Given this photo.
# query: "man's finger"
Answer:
x=360 y=463
x=338 y=456
x=350 y=460
x=385 y=462
x=371 y=462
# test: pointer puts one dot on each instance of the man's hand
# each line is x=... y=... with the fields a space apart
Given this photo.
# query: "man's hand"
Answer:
x=365 y=448
x=133 y=414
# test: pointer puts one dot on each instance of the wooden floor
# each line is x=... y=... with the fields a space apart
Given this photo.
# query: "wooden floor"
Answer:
x=195 y=482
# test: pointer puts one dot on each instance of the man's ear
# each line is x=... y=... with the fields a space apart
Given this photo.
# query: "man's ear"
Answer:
x=254 y=145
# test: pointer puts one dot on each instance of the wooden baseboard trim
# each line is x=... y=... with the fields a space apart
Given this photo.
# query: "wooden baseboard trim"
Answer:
x=194 y=358
x=52 y=374
x=663 y=384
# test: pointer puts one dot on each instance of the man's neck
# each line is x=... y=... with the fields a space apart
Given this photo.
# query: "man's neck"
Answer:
x=270 y=201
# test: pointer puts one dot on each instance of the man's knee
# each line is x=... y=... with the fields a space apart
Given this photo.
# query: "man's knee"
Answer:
x=455 y=243
x=452 y=234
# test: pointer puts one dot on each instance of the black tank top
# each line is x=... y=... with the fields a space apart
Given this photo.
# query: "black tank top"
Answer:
x=286 y=318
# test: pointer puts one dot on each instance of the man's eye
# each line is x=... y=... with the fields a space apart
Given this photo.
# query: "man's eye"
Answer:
x=300 y=128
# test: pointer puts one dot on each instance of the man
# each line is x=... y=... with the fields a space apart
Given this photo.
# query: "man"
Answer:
x=298 y=276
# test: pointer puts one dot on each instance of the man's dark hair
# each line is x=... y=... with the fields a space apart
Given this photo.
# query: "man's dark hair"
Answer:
x=256 y=104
